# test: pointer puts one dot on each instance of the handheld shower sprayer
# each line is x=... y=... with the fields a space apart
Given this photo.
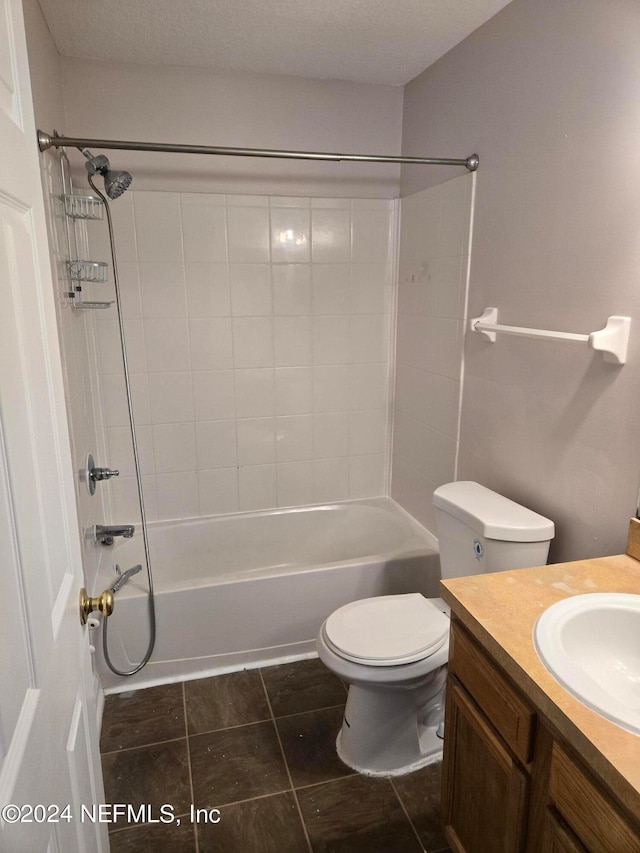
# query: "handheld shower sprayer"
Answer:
x=115 y=183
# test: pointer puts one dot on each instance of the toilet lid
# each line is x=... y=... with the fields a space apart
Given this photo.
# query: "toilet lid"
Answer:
x=388 y=630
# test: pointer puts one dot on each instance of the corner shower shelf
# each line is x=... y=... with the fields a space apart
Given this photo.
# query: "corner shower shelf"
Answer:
x=93 y=271
x=612 y=341
x=82 y=206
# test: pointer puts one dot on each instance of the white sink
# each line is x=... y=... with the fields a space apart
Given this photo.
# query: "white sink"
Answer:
x=591 y=645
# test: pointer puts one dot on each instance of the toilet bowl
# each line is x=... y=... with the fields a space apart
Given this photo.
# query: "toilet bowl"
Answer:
x=393 y=650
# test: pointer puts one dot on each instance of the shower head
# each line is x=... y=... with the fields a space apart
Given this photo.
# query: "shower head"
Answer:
x=115 y=183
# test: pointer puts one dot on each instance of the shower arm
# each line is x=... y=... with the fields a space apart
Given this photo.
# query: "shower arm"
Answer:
x=46 y=140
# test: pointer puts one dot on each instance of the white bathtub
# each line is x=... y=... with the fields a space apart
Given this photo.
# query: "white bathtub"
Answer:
x=253 y=589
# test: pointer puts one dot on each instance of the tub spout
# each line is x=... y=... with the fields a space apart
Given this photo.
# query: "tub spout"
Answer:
x=105 y=533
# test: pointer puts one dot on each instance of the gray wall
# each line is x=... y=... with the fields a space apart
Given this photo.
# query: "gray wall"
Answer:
x=547 y=92
x=195 y=105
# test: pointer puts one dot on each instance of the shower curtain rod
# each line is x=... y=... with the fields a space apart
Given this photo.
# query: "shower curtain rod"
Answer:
x=46 y=140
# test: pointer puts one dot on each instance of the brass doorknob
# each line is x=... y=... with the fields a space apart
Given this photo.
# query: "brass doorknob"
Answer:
x=103 y=603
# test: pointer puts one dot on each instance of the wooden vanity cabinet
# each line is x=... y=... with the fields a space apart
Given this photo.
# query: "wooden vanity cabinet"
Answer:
x=509 y=784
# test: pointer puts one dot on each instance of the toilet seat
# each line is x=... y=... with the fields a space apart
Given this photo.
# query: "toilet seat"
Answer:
x=389 y=630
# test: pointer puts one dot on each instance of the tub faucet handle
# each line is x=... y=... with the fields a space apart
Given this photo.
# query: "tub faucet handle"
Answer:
x=98 y=474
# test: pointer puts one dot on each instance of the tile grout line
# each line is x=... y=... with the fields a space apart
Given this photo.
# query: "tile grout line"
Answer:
x=286 y=764
x=186 y=730
x=406 y=814
x=142 y=746
x=255 y=722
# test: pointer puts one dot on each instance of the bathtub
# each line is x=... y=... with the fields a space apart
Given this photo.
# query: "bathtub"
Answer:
x=252 y=589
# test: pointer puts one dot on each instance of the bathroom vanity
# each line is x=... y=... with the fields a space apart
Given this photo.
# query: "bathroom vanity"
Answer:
x=527 y=767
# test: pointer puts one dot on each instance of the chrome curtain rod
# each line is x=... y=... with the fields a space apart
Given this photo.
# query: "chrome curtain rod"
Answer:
x=46 y=140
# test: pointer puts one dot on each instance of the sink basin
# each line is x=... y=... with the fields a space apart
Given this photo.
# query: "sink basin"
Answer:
x=591 y=645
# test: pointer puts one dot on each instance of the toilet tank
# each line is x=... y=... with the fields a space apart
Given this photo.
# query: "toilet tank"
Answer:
x=481 y=531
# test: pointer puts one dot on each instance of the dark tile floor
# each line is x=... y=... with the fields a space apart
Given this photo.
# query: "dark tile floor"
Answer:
x=259 y=746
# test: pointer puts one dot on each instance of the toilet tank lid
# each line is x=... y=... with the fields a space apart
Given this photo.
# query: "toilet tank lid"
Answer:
x=491 y=514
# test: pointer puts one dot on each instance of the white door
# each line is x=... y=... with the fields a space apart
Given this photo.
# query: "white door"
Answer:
x=48 y=740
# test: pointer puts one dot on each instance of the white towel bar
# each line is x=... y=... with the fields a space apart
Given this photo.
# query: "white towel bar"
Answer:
x=612 y=341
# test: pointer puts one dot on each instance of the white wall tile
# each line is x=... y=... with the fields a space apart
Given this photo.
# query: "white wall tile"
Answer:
x=449 y=286
x=255 y=392
x=158 y=232
x=368 y=386
x=290 y=235
x=163 y=290
x=113 y=400
x=216 y=444
x=257 y=487
x=371 y=289
x=210 y=343
x=130 y=289
x=171 y=398
x=295 y=483
x=167 y=345
x=134 y=338
x=256 y=441
x=204 y=233
x=330 y=236
x=291 y=289
x=120 y=450
x=292 y=341
x=366 y=476
x=367 y=432
x=330 y=435
x=245 y=353
x=108 y=346
x=293 y=390
x=214 y=395
x=371 y=236
x=250 y=290
x=330 y=340
x=289 y=201
x=294 y=438
x=218 y=491
x=208 y=290
x=140 y=397
x=331 y=480
x=210 y=199
x=177 y=495
x=331 y=288
x=124 y=233
x=331 y=203
x=174 y=447
x=248 y=234
x=372 y=204
x=253 y=342
x=330 y=388
x=124 y=501
x=369 y=337
x=244 y=200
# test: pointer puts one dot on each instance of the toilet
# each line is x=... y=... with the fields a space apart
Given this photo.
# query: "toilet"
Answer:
x=392 y=650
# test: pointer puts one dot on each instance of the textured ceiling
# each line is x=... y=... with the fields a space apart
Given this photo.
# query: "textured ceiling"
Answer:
x=370 y=41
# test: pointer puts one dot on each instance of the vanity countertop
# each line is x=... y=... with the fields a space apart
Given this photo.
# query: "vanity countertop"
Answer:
x=500 y=610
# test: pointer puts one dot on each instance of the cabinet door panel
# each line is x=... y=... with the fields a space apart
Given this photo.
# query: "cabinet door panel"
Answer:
x=558 y=838
x=587 y=809
x=485 y=793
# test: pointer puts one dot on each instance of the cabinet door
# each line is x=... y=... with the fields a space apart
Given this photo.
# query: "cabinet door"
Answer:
x=558 y=838
x=485 y=793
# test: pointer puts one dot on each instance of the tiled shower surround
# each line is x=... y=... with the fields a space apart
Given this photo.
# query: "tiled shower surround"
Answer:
x=432 y=295
x=258 y=334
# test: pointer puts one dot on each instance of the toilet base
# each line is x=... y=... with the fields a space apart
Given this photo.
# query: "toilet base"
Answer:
x=432 y=746
x=391 y=729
